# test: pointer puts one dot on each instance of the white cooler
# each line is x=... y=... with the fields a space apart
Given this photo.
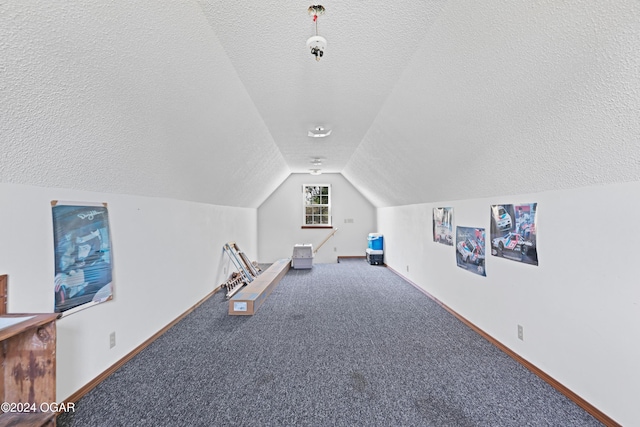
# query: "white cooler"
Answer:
x=302 y=256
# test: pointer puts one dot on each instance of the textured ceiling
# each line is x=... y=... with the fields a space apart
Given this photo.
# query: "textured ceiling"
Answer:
x=368 y=47
x=211 y=100
x=416 y=91
x=131 y=98
x=507 y=98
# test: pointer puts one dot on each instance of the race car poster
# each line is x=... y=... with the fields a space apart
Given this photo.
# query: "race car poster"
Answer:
x=513 y=232
x=82 y=246
x=443 y=226
x=470 y=249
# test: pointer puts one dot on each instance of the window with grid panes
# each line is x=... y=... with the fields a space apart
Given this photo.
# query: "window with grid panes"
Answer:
x=316 y=200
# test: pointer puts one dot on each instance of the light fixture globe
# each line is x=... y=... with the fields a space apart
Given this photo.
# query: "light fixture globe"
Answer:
x=317 y=46
x=317 y=41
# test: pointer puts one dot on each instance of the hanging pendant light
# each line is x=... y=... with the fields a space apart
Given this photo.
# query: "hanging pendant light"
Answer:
x=317 y=44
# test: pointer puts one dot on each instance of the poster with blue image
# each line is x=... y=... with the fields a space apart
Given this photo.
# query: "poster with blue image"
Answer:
x=82 y=248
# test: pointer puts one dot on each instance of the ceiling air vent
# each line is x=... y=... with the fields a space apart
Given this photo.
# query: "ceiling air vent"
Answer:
x=319 y=132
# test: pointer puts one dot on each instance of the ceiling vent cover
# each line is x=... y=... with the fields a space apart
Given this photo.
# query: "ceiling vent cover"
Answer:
x=319 y=132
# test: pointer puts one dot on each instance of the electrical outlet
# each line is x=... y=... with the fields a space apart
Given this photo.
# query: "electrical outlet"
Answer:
x=112 y=340
x=407 y=268
x=335 y=249
x=520 y=333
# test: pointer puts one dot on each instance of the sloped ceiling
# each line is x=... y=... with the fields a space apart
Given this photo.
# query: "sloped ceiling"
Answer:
x=368 y=47
x=434 y=101
x=507 y=98
x=129 y=97
x=211 y=100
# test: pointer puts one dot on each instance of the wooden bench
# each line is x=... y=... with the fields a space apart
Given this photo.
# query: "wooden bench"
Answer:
x=247 y=301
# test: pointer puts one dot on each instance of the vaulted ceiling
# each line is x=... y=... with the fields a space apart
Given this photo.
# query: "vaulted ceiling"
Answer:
x=417 y=91
x=211 y=100
x=369 y=46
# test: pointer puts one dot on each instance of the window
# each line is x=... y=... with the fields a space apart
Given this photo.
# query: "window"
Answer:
x=316 y=205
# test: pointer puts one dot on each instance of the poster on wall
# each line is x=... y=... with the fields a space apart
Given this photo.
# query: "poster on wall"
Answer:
x=470 y=249
x=82 y=246
x=513 y=232
x=443 y=225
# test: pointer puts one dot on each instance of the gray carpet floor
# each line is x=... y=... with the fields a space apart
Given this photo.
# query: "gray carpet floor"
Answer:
x=345 y=344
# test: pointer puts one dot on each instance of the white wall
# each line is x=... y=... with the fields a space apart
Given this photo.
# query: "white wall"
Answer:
x=167 y=256
x=580 y=308
x=104 y=99
x=280 y=220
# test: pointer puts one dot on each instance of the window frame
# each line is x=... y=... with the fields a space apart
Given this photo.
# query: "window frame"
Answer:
x=306 y=205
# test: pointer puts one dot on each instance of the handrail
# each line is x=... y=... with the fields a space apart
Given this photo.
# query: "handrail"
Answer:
x=325 y=240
